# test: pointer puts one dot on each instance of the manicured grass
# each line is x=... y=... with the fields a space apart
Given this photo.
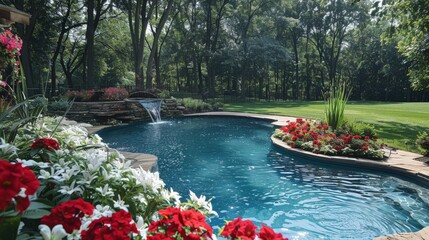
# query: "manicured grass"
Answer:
x=397 y=123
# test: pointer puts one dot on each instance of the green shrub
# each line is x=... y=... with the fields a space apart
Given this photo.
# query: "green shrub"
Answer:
x=164 y=94
x=423 y=142
x=335 y=103
x=60 y=105
x=196 y=105
x=362 y=129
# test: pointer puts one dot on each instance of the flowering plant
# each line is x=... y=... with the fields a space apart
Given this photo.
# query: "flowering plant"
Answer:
x=89 y=191
x=17 y=184
x=180 y=224
x=317 y=137
x=80 y=96
x=81 y=220
x=114 y=94
x=10 y=47
x=246 y=230
x=46 y=144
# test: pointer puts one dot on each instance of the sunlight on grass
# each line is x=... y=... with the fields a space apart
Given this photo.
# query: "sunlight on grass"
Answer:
x=397 y=123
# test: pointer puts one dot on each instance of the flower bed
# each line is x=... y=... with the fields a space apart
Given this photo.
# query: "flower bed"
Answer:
x=85 y=190
x=317 y=138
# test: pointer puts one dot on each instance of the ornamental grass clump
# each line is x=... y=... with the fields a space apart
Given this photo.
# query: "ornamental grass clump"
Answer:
x=335 y=103
x=318 y=138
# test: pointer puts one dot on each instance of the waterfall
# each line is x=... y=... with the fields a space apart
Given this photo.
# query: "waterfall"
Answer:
x=153 y=107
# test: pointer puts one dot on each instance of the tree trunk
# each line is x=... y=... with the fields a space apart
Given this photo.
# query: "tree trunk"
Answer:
x=90 y=54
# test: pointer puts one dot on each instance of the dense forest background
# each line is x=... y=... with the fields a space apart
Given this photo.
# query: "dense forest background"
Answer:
x=264 y=49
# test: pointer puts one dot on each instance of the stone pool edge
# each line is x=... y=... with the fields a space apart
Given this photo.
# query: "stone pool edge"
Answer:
x=148 y=162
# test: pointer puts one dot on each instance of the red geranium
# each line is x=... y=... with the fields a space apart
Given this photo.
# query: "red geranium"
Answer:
x=239 y=229
x=186 y=224
x=246 y=230
x=119 y=227
x=46 y=143
x=14 y=178
x=266 y=233
x=68 y=214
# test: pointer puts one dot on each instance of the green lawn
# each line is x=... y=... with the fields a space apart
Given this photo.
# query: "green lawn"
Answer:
x=397 y=123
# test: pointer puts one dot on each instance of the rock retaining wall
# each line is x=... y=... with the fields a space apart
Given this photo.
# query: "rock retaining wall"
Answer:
x=124 y=111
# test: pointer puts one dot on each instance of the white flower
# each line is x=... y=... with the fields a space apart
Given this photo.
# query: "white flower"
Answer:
x=70 y=189
x=120 y=204
x=57 y=232
x=105 y=191
x=53 y=174
x=148 y=179
x=102 y=211
x=31 y=163
x=86 y=178
x=201 y=202
x=171 y=194
x=6 y=148
x=141 y=227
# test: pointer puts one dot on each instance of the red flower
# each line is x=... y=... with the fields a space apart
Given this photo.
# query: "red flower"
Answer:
x=299 y=120
x=364 y=148
x=189 y=224
x=239 y=229
x=367 y=138
x=45 y=143
x=118 y=227
x=266 y=233
x=356 y=137
x=14 y=177
x=325 y=127
x=68 y=214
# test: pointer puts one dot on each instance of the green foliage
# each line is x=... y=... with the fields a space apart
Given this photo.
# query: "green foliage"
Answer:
x=196 y=105
x=335 y=103
x=360 y=128
x=423 y=142
x=165 y=94
x=59 y=105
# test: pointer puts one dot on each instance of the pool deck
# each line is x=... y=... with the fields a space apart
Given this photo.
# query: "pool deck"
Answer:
x=399 y=162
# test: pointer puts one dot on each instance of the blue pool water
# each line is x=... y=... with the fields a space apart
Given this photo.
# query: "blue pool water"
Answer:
x=234 y=161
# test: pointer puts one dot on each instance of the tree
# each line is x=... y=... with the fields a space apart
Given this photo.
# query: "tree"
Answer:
x=329 y=23
x=156 y=33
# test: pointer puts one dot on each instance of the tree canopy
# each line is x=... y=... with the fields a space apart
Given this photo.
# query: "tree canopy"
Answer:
x=264 y=49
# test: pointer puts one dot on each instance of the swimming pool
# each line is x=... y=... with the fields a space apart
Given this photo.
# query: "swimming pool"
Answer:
x=233 y=160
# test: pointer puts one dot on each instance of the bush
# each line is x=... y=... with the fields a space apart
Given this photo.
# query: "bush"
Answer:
x=114 y=94
x=361 y=129
x=196 y=105
x=164 y=94
x=423 y=142
x=60 y=105
x=80 y=96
